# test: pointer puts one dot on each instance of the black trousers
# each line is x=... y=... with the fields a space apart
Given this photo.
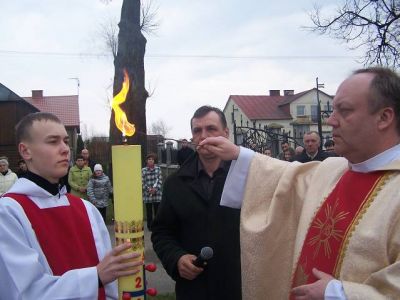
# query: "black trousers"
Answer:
x=103 y=212
x=151 y=211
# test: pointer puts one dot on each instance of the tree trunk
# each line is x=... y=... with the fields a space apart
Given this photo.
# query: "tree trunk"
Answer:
x=130 y=56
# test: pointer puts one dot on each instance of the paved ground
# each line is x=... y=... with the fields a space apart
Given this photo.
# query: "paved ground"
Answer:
x=159 y=279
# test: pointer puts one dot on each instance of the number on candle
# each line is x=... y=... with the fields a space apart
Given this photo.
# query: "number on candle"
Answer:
x=138 y=282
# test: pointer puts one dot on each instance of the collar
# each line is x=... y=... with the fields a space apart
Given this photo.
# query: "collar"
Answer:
x=312 y=156
x=377 y=161
x=52 y=188
x=191 y=166
x=200 y=168
x=41 y=197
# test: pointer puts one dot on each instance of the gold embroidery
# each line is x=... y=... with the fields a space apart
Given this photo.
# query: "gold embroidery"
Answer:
x=327 y=229
x=363 y=208
x=299 y=254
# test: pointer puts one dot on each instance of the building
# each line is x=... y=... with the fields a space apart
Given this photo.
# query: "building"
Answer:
x=66 y=108
x=290 y=113
x=13 y=108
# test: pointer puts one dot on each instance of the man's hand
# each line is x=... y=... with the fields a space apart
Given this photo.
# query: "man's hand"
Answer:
x=115 y=264
x=186 y=267
x=220 y=146
x=314 y=290
x=82 y=189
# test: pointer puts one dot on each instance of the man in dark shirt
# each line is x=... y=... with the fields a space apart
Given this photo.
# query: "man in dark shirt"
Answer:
x=190 y=217
x=330 y=148
x=86 y=158
x=22 y=168
x=311 y=150
x=184 y=152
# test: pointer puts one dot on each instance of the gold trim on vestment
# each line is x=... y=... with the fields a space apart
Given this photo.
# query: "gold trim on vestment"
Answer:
x=327 y=229
x=356 y=220
x=302 y=276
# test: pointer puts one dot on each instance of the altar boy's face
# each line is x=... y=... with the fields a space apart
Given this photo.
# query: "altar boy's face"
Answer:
x=46 y=151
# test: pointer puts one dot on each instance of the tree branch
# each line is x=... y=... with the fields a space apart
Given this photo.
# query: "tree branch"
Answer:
x=369 y=24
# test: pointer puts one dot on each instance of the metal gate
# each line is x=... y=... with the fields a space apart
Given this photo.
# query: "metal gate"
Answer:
x=262 y=138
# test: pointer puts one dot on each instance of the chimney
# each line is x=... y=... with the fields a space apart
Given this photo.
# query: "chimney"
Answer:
x=288 y=92
x=37 y=94
x=274 y=92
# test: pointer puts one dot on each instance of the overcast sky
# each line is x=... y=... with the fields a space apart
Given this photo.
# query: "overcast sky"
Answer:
x=203 y=52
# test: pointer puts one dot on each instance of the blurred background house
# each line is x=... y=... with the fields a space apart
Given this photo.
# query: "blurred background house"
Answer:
x=13 y=108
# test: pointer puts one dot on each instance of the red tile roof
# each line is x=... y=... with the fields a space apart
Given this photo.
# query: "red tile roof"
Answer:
x=267 y=107
x=261 y=107
x=290 y=98
x=66 y=108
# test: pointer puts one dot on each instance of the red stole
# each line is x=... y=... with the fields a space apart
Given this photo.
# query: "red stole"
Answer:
x=327 y=237
x=64 y=234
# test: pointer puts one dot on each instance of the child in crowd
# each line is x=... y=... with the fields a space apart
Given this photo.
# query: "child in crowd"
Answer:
x=99 y=190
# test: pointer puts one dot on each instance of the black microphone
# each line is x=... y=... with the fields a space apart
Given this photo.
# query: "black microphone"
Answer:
x=206 y=253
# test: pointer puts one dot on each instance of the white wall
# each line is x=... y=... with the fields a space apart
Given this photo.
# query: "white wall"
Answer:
x=307 y=100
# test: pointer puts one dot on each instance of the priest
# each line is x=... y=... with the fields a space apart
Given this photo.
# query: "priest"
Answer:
x=331 y=229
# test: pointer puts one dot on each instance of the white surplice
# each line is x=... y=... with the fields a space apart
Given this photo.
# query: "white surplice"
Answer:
x=24 y=270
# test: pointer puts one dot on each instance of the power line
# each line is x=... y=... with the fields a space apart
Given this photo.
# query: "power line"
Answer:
x=180 y=56
x=41 y=53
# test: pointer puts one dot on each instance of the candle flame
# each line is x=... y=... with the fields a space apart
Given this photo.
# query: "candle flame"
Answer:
x=121 y=121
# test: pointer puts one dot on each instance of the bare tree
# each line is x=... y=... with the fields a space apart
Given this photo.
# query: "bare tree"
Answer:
x=372 y=25
x=128 y=50
x=160 y=128
x=149 y=23
x=108 y=32
x=130 y=57
x=108 y=29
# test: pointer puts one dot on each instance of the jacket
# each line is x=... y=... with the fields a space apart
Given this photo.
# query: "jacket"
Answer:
x=79 y=178
x=151 y=178
x=303 y=157
x=186 y=221
x=99 y=190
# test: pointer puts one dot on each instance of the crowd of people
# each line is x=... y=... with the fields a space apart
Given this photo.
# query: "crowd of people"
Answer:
x=85 y=179
x=311 y=151
x=305 y=225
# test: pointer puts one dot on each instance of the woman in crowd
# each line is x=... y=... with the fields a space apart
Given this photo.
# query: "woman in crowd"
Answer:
x=151 y=183
x=7 y=177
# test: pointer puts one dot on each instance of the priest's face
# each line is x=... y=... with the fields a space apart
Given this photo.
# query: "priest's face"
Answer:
x=354 y=127
x=47 y=152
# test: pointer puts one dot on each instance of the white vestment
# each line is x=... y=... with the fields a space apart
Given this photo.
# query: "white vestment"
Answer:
x=24 y=270
x=280 y=200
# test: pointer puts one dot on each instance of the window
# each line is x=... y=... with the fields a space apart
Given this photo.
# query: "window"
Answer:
x=314 y=113
x=301 y=110
x=299 y=131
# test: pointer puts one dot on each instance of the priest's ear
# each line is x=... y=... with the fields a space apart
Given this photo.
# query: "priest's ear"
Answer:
x=24 y=151
x=387 y=118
